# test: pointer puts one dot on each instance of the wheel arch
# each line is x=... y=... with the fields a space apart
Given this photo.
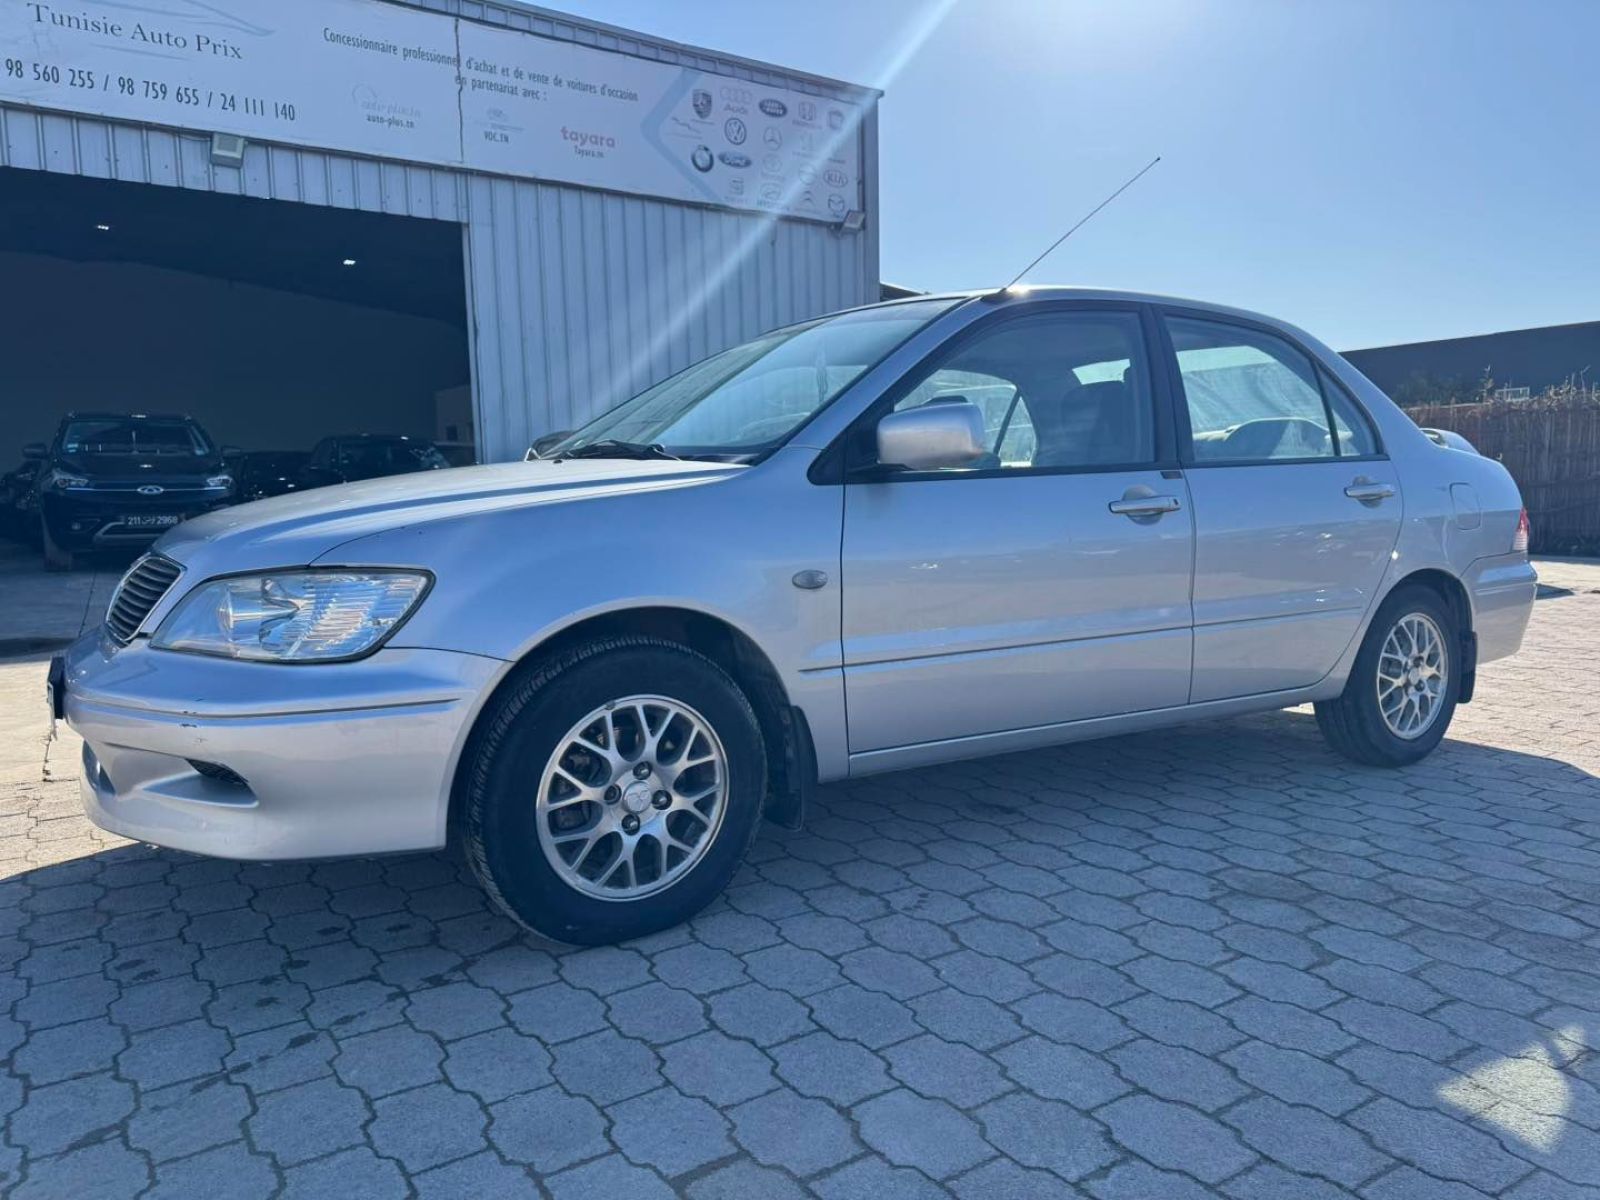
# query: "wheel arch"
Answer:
x=1455 y=595
x=791 y=757
x=1447 y=586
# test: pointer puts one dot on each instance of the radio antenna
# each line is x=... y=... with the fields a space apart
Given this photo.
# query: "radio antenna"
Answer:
x=1084 y=221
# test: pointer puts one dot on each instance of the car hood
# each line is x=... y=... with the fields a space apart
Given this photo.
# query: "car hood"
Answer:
x=299 y=528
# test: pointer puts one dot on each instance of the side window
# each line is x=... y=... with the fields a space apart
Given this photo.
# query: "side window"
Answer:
x=1060 y=390
x=1251 y=396
x=1350 y=424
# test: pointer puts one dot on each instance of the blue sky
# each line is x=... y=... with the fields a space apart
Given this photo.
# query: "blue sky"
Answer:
x=1375 y=170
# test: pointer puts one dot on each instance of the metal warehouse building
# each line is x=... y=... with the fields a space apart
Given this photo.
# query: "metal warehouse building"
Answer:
x=463 y=222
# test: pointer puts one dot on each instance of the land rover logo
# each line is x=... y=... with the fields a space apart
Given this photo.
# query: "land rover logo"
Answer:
x=773 y=108
x=151 y=489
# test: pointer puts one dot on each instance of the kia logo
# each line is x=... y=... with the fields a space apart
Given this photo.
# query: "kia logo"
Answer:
x=151 y=489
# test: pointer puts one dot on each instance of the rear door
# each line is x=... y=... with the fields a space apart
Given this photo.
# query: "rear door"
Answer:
x=1048 y=583
x=1296 y=507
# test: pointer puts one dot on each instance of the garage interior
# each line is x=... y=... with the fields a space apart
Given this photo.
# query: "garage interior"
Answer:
x=273 y=324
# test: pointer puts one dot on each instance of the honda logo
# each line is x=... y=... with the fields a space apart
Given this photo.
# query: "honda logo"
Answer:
x=151 y=489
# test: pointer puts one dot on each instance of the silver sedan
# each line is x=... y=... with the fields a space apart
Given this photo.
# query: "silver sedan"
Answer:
x=902 y=535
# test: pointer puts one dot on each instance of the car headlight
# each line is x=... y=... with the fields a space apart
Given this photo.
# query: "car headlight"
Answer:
x=62 y=480
x=219 y=482
x=293 y=616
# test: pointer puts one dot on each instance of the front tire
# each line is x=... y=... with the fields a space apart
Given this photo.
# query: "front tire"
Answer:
x=1402 y=691
x=613 y=790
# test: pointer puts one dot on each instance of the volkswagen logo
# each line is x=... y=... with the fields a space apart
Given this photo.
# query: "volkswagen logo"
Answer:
x=151 y=489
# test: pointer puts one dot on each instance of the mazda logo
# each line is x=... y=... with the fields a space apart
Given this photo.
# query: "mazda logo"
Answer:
x=151 y=489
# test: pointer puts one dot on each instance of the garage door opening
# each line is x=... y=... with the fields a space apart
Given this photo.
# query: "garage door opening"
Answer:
x=305 y=342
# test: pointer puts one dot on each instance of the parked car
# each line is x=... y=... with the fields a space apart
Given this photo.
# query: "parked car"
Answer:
x=115 y=480
x=352 y=457
x=263 y=473
x=809 y=557
x=19 y=506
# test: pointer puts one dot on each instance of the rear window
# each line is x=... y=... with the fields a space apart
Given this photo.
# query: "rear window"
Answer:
x=133 y=436
x=391 y=457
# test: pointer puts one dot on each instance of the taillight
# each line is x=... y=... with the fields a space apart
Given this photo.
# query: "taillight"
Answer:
x=1519 y=542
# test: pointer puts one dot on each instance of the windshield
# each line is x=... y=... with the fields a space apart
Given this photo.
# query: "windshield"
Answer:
x=748 y=399
x=130 y=435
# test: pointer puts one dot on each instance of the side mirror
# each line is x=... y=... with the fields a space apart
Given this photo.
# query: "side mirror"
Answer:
x=547 y=443
x=932 y=437
x=35 y=452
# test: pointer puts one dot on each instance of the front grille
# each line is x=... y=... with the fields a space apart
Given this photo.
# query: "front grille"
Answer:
x=141 y=590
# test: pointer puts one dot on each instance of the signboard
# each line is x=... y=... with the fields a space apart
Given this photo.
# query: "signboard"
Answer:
x=396 y=82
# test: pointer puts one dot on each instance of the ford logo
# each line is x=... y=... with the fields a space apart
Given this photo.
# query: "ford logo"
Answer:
x=774 y=108
x=151 y=489
x=732 y=158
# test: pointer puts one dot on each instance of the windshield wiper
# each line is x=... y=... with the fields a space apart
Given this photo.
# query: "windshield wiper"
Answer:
x=614 y=448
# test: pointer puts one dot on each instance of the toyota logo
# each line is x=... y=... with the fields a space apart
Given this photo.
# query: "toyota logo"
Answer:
x=151 y=489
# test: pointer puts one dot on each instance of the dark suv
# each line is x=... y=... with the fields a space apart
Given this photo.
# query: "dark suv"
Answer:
x=114 y=480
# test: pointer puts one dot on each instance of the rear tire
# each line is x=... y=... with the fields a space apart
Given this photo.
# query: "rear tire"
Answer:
x=612 y=790
x=56 y=557
x=1402 y=691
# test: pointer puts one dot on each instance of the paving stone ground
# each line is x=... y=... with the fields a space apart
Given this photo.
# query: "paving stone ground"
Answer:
x=1215 y=961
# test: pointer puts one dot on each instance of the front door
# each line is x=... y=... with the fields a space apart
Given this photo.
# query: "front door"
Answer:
x=1047 y=583
x=1296 y=509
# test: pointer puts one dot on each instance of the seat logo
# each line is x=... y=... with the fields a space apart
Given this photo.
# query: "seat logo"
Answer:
x=151 y=489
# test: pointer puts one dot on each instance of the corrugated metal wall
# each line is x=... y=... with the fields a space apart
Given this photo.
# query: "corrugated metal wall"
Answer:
x=577 y=298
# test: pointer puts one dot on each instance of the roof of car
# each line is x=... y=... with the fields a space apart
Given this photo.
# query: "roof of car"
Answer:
x=1035 y=291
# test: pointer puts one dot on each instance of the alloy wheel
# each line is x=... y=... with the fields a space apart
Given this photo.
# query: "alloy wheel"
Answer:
x=1412 y=675
x=632 y=798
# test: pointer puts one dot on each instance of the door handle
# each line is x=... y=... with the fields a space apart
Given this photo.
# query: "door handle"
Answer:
x=1144 y=506
x=1369 y=491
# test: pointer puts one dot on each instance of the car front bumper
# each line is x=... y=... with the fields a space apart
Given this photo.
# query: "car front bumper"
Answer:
x=266 y=762
x=96 y=520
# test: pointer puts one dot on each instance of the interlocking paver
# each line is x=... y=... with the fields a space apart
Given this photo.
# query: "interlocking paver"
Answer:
x=498 y=1064
x=1058 y=1071
x=799 y=1133
x=669 y=1131
x=1306 y=1140
x=388 y=1060
x=1177 y=1073
x=1176 y=1137
x=547 y=1129
x=427 y=1126
x=354 y=1174
x=1213 y=961
x=913 y=1131
x=605 y=1067
x=57 y=1116
x=945 y=1070
x=1046 y=1133
x=718 y=1068
x=823 y=1065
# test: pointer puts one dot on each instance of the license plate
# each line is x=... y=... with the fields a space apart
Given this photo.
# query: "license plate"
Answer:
x=150 y=521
